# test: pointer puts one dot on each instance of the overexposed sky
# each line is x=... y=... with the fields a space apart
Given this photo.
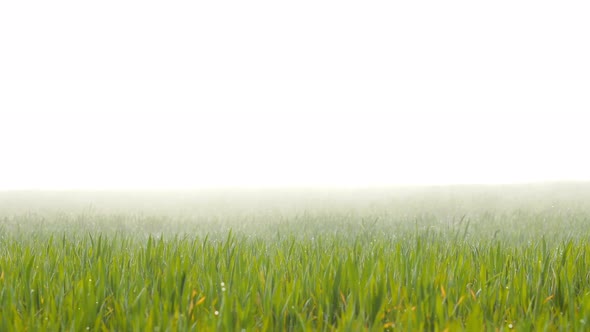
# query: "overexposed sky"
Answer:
x=185 y=94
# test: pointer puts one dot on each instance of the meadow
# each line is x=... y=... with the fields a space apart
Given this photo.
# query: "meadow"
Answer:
x=477 y=258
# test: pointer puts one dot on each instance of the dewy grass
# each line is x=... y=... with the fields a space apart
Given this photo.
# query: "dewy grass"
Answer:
x=372 y=269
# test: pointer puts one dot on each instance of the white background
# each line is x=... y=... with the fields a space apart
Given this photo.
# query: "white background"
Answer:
x=186 y=94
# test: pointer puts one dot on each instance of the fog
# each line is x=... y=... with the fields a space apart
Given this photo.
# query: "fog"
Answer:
x=126 y=95
x=412 y=201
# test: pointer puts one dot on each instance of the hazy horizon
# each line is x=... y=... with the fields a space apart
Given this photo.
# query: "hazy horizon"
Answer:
x=270 y=188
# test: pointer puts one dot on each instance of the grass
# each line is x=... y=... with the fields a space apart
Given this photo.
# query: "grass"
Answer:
x=417 y=261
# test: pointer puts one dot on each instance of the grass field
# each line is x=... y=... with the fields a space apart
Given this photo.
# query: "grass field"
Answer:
x=445 y=258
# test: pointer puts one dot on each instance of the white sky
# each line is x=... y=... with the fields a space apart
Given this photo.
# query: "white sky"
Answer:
x=183 y=94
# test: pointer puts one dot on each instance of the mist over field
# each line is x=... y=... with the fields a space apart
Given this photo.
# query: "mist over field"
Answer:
x=463 y=257
x=294 y=166
x=293 y=199
x=253 y=210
